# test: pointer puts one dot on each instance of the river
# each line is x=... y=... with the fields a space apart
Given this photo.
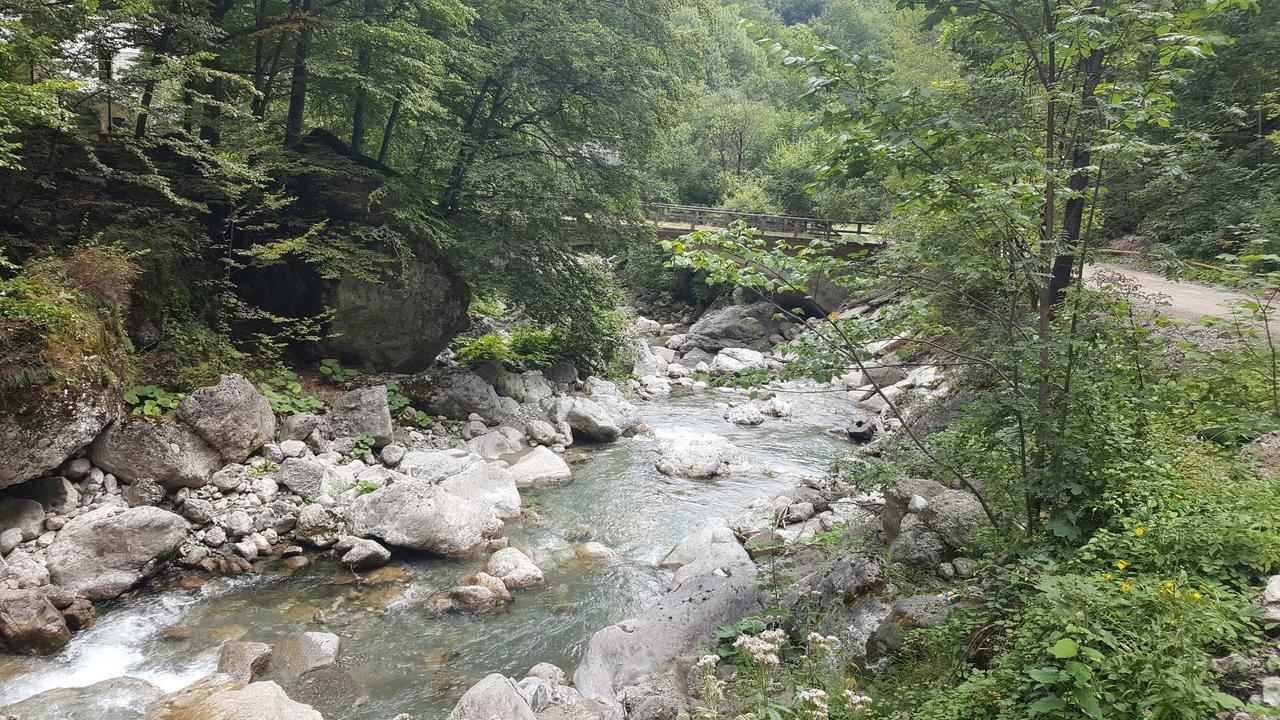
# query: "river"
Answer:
x=400 y=657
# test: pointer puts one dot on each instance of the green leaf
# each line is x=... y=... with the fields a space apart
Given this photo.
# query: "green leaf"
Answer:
x=1065 y=648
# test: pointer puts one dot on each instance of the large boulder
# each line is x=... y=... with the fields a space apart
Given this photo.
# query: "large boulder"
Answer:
x=171 y=453
x=492 y=485
x=30 y=624
x=459 y=395
x=403 y=323
x=746 y=326
x=897 y=501
x=55 y=494
x=35 y=437
x=104 y=552
x=219 y=698
x=311 y=478
x=604 y=416
x=25 y=516
x=529 y=386
x=497 y=442
x=709 y=548
x=363 y=411
x=496 y=696
x=696 y=456
x=682 y=622
x=954 y=515
x=232 y=417
x=539 y=468
x=417 y=515
x=120 y=698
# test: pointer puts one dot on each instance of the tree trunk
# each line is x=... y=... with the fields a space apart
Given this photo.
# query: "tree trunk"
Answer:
x=301 y=75
x=364 y=60
x=389 y=130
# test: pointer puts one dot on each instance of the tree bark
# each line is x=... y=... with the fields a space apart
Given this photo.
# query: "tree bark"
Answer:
x=301 y=76
x=364 y=61
x=389 y=130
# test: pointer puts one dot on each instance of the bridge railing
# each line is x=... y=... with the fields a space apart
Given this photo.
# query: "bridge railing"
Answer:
x=695 y=217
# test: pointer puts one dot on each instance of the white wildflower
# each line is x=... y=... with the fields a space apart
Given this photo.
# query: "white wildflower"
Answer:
x=813 y=704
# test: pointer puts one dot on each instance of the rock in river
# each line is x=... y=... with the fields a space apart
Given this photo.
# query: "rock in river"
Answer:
x=496 y=696
x=104 y=552
x=169 y=452
x=417 y=515
x=696 y=455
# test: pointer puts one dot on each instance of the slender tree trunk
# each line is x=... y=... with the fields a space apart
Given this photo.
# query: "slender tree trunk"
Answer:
x=148 y=93
x=301 y=76
x=389 y=131
x=1048 y=233
x=364 y=60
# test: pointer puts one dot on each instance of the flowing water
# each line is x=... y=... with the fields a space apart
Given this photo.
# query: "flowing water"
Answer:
x=398 y=655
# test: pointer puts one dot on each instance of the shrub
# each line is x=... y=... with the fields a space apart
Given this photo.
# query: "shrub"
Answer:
x=61 y=320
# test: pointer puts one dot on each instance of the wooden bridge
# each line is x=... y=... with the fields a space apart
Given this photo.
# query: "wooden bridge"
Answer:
x=677 y=220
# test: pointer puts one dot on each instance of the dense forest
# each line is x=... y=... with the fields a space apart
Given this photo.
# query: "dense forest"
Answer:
x=449 y=189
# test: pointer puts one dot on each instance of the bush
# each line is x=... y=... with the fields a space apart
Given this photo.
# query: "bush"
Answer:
x=61 y=318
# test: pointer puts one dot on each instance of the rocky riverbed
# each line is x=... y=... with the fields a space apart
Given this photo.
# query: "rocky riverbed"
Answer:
x=368 y=569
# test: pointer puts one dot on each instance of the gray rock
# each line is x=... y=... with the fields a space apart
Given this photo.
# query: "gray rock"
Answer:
x=23 y=572
x=552 y=674
x=493 y=444
x=392 y=454
x=536 y=692
x=747 y=326
x=10 y=539
x=232 y=417
x=746 y=415
x=883 y=375
x=26 y=516
x=30 y=624
x=654 y=697
x=244 y=661
x=954 y=515
x=316 y=525
x=104 y=552
x=417 y=515
x=145 y=491
x=218 y=698
x=362 y=554
x=696 y=456
x=39 y=434
x=300 y=653
x=897 y=500
x=121 y=698
x=906 y=614
x=542 y=432
x=362 y=412
x=299 y=427
x=1271 y=691
x=680 y=623
x=229 y=478
x=492 y=485
x=460 y=395
x=496 y=696
x=515 y=569
x=237 y=523
x=168 y=452
x=540 y=468
x=526 y=387
x=56 y=494
x=401 y=323
x=311 y=478
x=862 y=427
x=918 y=546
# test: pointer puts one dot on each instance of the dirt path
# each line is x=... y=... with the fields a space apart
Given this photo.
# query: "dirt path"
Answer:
x=1187 y=300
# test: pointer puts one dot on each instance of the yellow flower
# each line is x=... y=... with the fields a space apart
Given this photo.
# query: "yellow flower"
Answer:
x=833 y=317
x=1125 y=586
x=1196 y=596
x=1120 y=564
x=1107 y=577
x=1139 y=531
x=1177 y=496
